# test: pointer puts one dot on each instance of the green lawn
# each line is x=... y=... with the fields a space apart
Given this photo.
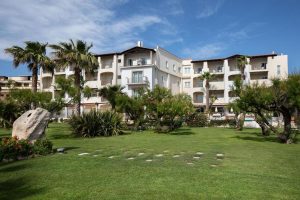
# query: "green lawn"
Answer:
x=253 y=168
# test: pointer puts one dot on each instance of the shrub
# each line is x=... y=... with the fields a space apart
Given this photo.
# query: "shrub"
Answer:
x=11 y=148
x=226 y=122
x=42 y=146
x=95 y=123
x=197 y=120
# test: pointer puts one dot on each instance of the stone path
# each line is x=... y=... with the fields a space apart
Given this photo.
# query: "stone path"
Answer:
x=82 y=154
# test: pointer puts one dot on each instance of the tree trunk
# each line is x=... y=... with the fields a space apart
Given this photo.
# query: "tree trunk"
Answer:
x=207 y=96
x=241 y=119
x=287 y=118
x=267 y=122
x=77 y=77
x=34 y=78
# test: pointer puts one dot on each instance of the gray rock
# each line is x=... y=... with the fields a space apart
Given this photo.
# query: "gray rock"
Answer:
x=31 y=125
x=60 y=150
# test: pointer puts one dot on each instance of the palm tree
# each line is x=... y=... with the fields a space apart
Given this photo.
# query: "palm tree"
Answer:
x=77 y=55
x=207 y=76
x=241 y=63
x=34 y=55
x=110 y=93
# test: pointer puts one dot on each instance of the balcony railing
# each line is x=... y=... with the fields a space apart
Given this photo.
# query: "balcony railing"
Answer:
x=138 y=81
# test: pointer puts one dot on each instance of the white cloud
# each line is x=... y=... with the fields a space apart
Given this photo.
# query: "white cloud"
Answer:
x=53 y=21
x=209 y=8
x=204 y=51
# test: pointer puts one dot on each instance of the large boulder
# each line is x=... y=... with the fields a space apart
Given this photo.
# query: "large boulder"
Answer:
x=31 y=125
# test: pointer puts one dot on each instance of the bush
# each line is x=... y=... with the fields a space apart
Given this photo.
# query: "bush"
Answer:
x=95 y=123
x=42 y=147
x=226 y=122
x=11 y=148
x=166 y=126
x=197 y=120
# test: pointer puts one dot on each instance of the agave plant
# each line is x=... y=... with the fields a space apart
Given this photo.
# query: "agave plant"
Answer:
x=95 y=123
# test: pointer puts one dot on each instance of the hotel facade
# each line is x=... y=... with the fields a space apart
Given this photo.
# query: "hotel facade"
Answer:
x=146 y=67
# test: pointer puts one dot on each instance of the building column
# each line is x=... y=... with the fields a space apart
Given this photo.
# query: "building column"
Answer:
x=247 y=72
x=114 y=66
x=226 y=83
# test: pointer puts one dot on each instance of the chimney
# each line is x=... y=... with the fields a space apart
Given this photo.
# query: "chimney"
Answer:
x=139 y=43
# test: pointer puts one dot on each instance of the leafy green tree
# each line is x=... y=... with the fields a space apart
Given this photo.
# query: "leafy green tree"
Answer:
x=207 y=76
x=133 y=107
x=77 y=55
x=110 y=93
x=34 y=55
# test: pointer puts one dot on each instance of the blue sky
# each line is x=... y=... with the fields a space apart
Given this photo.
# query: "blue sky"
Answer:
x=189 y=28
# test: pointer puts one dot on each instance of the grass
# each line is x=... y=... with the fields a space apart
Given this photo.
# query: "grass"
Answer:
x=254 y=167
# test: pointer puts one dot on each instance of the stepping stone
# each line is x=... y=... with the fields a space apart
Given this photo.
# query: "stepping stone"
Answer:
x=82 y=154
x=196 y=157
x=111 y=157
x=190 y=163
x=159 y=155
x=219 y=159
x=99 y=150
x=130 y=158
x=60 y=150
x=149 y=160
x=176 y=156
x=213 y=165
x=140 y=154
x=95 y=155
x=199 y=153
x=220 y=155
x=166 y=151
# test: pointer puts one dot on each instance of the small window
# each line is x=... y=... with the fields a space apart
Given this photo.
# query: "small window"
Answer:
x=220 y=68
x=119 y=76
x=187 y=84
x=167 y=65
x=179 y=69
x=264 y=77
x=119 y=60
x=187 y=70
x=278 y=70
x=264 y=65
x=130 y=62
x=199 y=70
x=174 y=68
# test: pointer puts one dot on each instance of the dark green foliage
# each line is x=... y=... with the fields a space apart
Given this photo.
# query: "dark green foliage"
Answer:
x=9 y=112
x=95 y=123
x=42 y=146
x=11 y=148
x=197 y=120
x=226 y=122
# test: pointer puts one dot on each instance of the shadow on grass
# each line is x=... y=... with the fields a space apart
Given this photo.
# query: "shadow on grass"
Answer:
x=182 y=131
x=257 y=138
x=8 y=167
x=61 y=136
x=18 y=188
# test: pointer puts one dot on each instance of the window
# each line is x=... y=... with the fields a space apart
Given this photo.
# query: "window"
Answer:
x=137 y=77
x=187 y=70
x=179 y=69
x=143 y=61
x=199 y=98
x=278 y=70
x=167 y=65
x=119 y=76
x=130 y=62
x=174 y=68
x=199 y=70
x=198 y=83
x=187 y=84
x=119 y=60
x=264 y=77
x=220 y=68
x=264 y=65
x=135 y=92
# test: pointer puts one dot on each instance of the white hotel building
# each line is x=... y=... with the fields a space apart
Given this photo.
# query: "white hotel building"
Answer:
x=146 y=67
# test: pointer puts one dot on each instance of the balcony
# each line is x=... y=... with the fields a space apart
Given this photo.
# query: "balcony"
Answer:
x=137 y=62
x=46 y=73
x=215 y=85
x=138 y=81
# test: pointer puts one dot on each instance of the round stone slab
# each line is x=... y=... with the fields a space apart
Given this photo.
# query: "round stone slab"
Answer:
x=213 y=165
x=140 y=154
x=176 y=156
x=130 y=158
x=149 y=160
x=220 y=155
x=190 y=163
x=110 y=157
x=159 y=155
x=196 y=157
x=199 y=153
x=82 y=154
